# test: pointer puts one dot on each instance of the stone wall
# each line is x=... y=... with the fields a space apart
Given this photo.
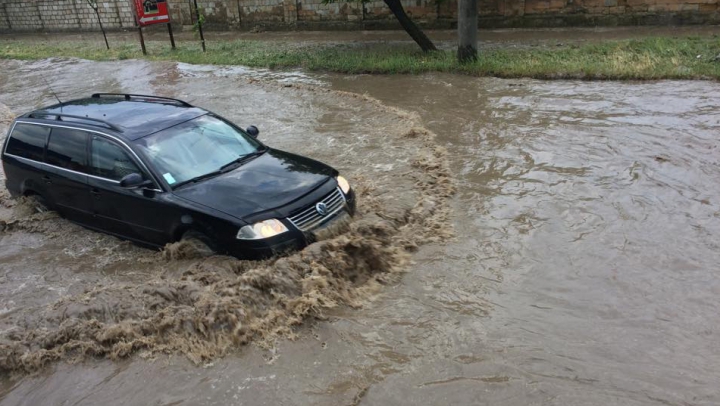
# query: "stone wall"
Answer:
x=77 y=15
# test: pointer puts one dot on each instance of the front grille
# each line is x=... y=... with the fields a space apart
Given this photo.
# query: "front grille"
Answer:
x=309 y=217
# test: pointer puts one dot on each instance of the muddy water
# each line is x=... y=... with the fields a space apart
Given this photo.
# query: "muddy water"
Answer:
x=591 y=211
x=203 y=308
x=583 y=267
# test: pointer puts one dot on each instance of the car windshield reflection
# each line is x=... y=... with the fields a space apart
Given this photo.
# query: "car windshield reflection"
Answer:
x=197 y=149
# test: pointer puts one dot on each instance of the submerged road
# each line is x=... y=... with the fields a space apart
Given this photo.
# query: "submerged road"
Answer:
x=582 y=270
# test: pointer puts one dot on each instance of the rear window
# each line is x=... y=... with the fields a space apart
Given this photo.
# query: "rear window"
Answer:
x=28 y=141
x=68 y=149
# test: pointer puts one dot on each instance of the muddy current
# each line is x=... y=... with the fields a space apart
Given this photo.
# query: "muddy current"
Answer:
x=107 y=298
x=517 y=242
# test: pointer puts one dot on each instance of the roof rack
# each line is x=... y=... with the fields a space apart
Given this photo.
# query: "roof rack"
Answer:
x=142 y=96
x=59 y=117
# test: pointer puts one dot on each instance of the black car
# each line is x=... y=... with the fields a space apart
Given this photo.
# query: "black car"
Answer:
x=156 y=170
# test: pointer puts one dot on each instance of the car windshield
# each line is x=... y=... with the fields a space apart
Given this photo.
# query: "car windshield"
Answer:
x=197 y=148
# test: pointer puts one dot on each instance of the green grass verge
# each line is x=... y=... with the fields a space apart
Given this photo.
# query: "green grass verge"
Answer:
x=641 y=59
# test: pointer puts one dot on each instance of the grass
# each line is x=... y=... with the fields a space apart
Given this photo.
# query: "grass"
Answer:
x=638 y=59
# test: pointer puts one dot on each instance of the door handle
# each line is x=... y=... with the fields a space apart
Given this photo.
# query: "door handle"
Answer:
x=47 y=180
x=96 y=193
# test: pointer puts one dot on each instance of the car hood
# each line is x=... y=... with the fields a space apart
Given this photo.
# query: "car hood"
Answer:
x=269 y=181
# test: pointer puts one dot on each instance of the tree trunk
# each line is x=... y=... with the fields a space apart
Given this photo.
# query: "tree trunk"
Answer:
x=467 y=31
x=409 y=26
x=94 y=6
x=102 y=28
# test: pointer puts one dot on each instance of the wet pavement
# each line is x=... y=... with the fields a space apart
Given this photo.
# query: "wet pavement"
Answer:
x=582 y=269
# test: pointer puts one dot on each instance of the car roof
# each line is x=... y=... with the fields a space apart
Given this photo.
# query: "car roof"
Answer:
x=129 y=116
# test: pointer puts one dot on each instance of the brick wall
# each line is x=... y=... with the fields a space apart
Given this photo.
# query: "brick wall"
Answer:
x=4 y=22
x=62 y=15
x=77 y=15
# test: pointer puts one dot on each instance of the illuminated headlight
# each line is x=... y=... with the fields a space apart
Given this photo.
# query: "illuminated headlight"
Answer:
x=344 y=185
x=263 y=229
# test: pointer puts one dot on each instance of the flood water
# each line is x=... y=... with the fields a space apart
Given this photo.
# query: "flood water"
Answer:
x=553 y=243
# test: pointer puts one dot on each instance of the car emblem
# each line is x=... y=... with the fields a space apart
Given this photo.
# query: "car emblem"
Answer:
x=321 y=209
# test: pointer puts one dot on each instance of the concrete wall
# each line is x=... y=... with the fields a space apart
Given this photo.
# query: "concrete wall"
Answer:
x=63 y=15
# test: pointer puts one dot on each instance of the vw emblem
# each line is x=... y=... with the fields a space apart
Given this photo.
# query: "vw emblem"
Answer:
x=321 y=209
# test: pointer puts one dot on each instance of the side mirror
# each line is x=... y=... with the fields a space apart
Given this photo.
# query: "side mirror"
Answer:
x=134 y=181
x=253 y=131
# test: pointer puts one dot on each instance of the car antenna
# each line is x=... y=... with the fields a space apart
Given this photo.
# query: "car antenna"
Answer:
x=53 y=93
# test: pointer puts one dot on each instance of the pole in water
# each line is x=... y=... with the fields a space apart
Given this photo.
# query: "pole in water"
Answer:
x=172 y=39
x=142 y=40
x=199 y=23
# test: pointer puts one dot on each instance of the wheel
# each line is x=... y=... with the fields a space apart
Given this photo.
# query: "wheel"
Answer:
x=200 y=243
x=38 y=204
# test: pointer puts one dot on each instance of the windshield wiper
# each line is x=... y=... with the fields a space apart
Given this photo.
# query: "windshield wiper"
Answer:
x=198 y=178
x=243 y=159
x=222 y=169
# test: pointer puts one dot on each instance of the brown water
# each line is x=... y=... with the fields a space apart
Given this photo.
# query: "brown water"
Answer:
x=582 y=270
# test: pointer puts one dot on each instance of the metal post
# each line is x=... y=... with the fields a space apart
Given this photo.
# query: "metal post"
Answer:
x=142 y=40
x=199 y=23
x=172 y=39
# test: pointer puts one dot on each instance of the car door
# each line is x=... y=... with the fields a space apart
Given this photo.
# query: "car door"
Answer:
x=66 y=178
x=140 y=214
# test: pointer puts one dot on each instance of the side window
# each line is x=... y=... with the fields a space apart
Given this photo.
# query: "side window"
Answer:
x=109 y=160
x=67 y=149
x=28 y=141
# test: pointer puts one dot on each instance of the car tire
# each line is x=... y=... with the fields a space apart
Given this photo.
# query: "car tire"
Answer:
x=40 y=205
x=201 y=243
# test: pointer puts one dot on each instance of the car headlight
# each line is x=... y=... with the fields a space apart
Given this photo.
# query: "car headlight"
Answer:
x=260 y=230
x=344 y=185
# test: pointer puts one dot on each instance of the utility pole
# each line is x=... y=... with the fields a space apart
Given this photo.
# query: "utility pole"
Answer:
x=467 y=30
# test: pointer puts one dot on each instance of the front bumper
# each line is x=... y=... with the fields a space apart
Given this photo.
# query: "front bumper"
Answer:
x=292 y=240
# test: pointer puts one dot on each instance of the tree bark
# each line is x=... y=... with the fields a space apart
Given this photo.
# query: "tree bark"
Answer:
x=420 y=38
x=467 y=31
x=97 y=13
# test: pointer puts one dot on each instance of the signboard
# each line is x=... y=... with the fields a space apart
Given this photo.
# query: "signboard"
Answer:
x=152 y=12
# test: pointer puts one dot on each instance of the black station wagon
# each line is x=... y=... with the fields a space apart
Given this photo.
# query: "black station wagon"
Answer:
x=155 y=170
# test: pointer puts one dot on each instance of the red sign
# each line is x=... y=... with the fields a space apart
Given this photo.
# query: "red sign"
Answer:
x=152 y=12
